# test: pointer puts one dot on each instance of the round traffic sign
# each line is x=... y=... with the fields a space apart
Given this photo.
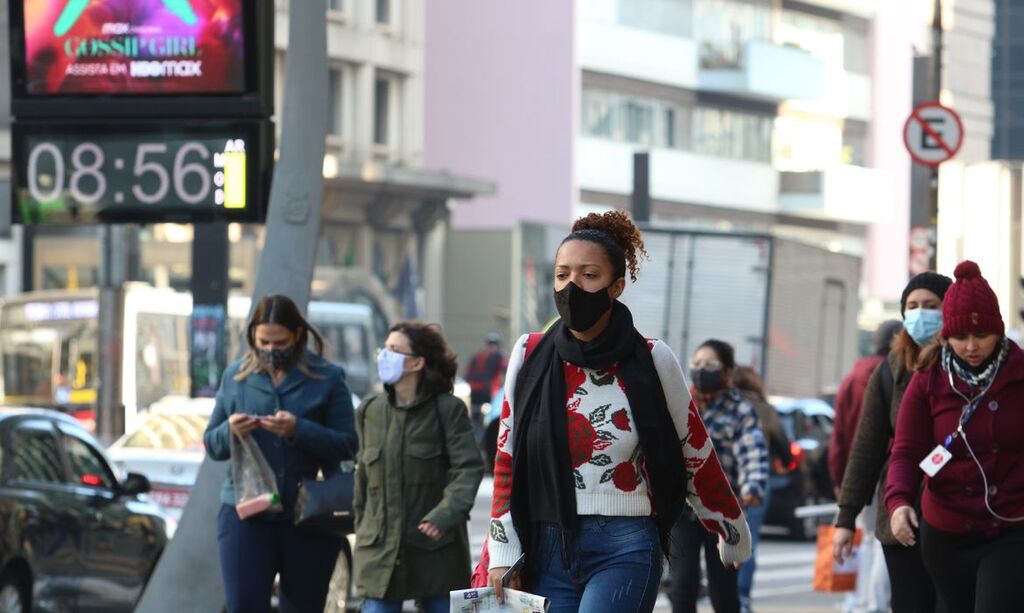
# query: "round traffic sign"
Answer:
x=933 y=133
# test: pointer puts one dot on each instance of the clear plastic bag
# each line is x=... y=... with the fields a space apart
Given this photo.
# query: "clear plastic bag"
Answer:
x=255 y=486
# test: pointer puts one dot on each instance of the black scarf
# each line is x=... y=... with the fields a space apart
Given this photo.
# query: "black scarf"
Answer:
x=543 y=487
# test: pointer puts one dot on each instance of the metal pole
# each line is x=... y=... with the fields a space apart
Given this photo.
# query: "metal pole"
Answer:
x=933 y=183
x=641 y=187
x=119 y=263
x=187 y=578
x=208 y=324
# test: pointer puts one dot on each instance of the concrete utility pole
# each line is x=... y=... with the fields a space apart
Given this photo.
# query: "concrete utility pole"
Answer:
x=187 y=578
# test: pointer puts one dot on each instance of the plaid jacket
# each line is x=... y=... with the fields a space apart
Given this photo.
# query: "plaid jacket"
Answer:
x=734 y=429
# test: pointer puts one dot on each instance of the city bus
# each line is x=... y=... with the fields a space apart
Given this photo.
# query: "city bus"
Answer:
x=50 y=352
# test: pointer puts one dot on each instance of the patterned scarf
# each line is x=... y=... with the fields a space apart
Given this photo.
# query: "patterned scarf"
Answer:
x=980 y=380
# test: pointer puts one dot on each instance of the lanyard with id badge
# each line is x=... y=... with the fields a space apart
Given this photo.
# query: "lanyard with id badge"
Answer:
x=940 y=456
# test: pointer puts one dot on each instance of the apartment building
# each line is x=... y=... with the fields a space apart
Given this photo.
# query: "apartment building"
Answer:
x=760 y=115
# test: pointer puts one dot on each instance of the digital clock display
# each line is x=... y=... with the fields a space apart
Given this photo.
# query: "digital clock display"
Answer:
x=171 y=172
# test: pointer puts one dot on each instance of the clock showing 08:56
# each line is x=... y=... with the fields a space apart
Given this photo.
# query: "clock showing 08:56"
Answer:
x=66 y=174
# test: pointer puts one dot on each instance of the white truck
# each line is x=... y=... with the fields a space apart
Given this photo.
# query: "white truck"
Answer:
x=789 y=309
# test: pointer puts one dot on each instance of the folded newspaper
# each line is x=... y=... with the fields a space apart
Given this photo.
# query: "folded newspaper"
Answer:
x=483 y=600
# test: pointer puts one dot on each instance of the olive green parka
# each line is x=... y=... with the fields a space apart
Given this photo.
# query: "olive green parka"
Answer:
x=416 y=463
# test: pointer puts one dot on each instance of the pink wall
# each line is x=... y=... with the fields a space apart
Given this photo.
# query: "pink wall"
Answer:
x=501 y=97
x=886 y=258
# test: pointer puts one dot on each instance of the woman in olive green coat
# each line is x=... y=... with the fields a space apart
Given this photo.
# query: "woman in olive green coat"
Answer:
x=419 y=470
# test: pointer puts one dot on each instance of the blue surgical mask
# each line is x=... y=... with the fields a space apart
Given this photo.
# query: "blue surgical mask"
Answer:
x=390 y=366
x=922 y=324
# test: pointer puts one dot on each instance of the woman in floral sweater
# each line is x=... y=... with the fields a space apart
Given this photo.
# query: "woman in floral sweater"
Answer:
x=599 y=446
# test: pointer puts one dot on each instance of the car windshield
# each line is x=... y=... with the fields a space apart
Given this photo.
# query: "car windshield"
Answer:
x=170 y=432
x=798 y=425
x=49 y=351
x=50 y=365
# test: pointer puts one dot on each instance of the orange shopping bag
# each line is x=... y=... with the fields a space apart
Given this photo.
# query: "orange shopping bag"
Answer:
x=829 y=575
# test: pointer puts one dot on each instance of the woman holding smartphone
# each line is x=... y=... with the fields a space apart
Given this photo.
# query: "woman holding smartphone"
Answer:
x=298 y=409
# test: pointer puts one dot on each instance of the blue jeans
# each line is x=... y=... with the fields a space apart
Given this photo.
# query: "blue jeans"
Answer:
x=755 y=517
x=252 y=551
x=613 y=567
x=432 y=604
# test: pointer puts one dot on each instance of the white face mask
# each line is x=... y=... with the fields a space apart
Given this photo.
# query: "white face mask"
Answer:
x=390 y=366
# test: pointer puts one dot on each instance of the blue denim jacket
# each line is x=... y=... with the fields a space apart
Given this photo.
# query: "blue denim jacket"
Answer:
x=325 y=432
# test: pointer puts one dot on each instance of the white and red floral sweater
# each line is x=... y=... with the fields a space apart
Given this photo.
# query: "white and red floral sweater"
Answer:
x=605 y=452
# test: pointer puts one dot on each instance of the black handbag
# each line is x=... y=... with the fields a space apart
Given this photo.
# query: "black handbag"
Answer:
x=326 y=505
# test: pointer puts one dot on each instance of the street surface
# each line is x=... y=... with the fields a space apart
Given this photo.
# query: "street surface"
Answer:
x=782 y=583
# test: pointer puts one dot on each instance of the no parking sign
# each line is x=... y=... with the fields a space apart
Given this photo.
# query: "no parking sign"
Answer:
x=933 y=133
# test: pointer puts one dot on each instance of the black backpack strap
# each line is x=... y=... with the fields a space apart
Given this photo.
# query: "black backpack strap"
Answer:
x=887 y=380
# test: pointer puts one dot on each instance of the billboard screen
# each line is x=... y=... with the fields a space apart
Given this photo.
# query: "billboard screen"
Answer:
x=132 y=47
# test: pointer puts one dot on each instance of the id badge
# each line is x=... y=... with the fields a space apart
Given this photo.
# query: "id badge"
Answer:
x=936 y=459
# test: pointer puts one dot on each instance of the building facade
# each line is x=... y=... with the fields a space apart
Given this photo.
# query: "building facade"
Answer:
x=769 y=116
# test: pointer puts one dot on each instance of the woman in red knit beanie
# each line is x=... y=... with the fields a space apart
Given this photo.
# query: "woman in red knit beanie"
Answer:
x=961 y=428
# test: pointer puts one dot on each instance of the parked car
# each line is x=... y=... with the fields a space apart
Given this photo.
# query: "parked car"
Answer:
x=73 y=537
x=168 y=446
x=805 y=483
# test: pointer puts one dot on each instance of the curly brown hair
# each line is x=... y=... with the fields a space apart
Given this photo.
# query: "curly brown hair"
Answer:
x=427 y=341
x=618 y=235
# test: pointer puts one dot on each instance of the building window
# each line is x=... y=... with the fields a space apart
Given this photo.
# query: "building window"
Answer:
x=670 y=127
x=856 y=46
x=381 y=110
x=383 y=11
x=723 y=28
x=336 y=5
x=732 y=134
x=805 y=143
x=672 y=17
x=599 y=114
x=69 y=277
x=855 y=143
x=642 y=121
x=822 y=37
x=335 y=92
x=639 y=122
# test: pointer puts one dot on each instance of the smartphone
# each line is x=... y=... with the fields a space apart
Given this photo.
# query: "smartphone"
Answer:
x=513 y=570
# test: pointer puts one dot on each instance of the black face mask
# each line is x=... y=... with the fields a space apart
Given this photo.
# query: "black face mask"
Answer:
x=707 y=381
x=580 y=309
x=277 y=359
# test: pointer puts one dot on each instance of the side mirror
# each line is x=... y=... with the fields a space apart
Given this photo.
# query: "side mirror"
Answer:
x=135 y=484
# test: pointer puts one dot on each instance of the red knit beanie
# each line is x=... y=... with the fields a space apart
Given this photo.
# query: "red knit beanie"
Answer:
x=970 y=305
